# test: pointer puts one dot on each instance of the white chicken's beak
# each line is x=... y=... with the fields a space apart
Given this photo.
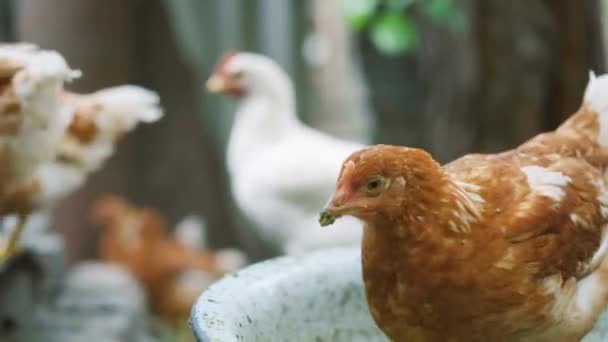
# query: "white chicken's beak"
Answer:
x=215 y=84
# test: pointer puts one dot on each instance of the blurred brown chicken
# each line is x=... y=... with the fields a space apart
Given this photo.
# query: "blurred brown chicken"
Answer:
x=173 y=273
x=52 y=140
x=33 y=120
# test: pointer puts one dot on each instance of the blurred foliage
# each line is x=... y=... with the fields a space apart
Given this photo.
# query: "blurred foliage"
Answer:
x=390 y=23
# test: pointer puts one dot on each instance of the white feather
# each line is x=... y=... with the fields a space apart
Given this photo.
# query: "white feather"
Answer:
x=37 y=83
x=57 y=180
x=596 y=97
x=121 y=109
x=191 y=231
x=282 y=172
x=546 y=182
x=230 y=260
x=114 y=111
x=131 y=104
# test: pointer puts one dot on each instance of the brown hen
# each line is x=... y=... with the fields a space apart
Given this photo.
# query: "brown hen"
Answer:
x=502 y=247
x=173 y=274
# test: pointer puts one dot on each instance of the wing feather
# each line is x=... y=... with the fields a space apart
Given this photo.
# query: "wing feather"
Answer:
x=550 y=212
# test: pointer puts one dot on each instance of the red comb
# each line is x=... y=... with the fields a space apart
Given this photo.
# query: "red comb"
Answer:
x=223 y=61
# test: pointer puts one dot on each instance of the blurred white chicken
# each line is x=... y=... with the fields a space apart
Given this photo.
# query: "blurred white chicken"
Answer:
x=33 y=120
x=281 y=170
x=69 y=136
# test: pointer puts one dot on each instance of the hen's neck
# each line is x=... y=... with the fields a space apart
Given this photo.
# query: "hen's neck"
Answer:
x=263 y=119
x=440 y=218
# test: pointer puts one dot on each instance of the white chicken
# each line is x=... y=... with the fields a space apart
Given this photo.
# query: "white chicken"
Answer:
x=33 y=120
x=281 y=170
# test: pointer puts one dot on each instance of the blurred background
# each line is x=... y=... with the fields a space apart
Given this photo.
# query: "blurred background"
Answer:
x=451 y=76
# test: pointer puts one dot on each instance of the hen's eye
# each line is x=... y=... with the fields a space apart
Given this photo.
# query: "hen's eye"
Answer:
x=237 y=75
x=374 y=186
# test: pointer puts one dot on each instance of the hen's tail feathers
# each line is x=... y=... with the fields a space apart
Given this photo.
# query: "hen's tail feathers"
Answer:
x=596 y=98
x=133 y=103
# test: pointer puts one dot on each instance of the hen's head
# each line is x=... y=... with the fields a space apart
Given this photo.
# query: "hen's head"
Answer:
x=380 y=181
x=243 y=73
x=107 y=209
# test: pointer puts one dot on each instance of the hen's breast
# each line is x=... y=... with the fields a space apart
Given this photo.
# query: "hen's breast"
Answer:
x=539 y=235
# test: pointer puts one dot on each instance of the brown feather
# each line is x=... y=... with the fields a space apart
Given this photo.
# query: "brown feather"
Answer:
x=139 y=239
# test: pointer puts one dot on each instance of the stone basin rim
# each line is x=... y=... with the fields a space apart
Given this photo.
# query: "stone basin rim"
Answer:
x=265 y=274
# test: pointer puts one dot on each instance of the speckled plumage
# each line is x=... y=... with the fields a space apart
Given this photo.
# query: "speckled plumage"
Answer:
x=51 y=140
x=100 y=120
x=502 y=247
x=33 y=119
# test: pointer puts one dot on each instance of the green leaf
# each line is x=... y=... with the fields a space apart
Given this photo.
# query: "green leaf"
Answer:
x=394 y=34
x=359 y=12
x=445 y=12
x=399 y=5
x=440 y=10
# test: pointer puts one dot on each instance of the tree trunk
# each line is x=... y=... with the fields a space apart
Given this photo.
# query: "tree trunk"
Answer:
x=344 y=109
x=517 y=70
x=6 y=21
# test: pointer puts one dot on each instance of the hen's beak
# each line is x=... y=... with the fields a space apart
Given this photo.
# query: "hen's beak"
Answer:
x=216 y=84
x=337 y=204
x=335 y=208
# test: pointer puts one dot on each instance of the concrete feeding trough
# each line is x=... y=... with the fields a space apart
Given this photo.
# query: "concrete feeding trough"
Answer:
x=317 y=297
